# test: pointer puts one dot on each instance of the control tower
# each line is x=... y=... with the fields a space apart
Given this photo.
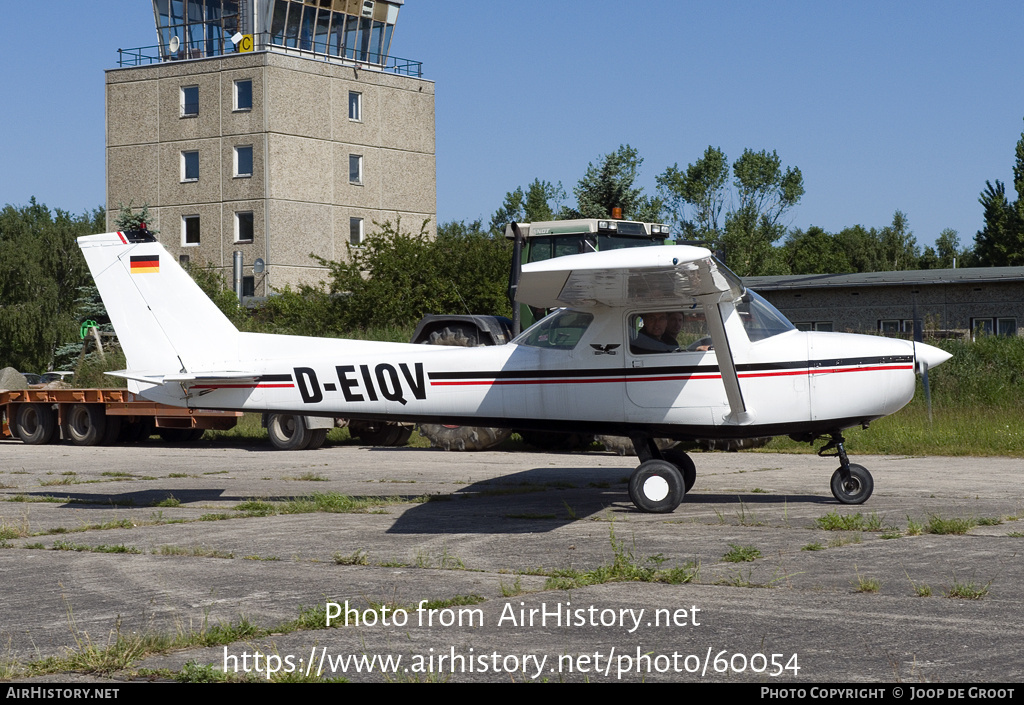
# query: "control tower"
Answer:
x=274 y=128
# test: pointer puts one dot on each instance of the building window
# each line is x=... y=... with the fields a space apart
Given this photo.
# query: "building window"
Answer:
x=998 y=326
x=243 y=95
x=189 y=101
x=355 y=106
x=243 y=161
x=823 y=326
x=889 y=327
x=189 y=230
x=190 y=166
x=243 y=226
x=183 y=260
x=355 y=169
x=248 y=286
x=355 y=231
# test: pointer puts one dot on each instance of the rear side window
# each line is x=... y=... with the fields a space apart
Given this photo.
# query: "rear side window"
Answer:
x=561 y=330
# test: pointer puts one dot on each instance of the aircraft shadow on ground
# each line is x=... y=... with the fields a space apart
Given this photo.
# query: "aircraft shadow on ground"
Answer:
x=545 y=499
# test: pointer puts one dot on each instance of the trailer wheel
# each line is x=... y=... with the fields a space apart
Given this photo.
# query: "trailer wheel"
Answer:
x=85 y=424
x=36 y=424
x=288 y=432
x=317 y=437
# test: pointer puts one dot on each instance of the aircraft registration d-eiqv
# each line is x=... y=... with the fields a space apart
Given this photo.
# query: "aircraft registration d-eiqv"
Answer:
x=647 y=342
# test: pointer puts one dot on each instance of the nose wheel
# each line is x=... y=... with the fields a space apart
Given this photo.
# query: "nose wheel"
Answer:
x=661 y=481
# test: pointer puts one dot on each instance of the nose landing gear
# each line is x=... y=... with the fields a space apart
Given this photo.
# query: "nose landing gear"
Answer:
x=851 y=483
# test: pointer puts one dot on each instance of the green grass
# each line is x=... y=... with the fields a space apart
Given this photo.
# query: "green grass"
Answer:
x=741 y=554
x=866 y=584
x=966 y=591
x=957 y=526
x=625 y=567
x=834 y=521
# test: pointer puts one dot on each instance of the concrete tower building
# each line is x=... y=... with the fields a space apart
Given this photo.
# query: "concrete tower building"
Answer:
x=274 y=128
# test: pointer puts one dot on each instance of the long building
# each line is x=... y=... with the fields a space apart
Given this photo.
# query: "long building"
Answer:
x=966 y=301
x=273 y=128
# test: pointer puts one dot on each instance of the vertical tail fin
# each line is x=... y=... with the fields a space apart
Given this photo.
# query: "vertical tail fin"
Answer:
x=164 y=321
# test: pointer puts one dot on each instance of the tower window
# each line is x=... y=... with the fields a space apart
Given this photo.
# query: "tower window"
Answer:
x=243 y=95
x=189 y=101
x=189 y=230
x=190 y=166
x=243 y=161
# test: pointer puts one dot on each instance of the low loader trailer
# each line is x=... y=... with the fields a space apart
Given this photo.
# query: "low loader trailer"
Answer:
x=88 y=417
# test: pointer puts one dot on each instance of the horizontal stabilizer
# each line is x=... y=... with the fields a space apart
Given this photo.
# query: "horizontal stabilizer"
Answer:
x=152 y=377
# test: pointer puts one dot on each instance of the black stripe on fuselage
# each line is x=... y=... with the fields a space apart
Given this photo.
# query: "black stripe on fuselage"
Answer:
x=675 y=369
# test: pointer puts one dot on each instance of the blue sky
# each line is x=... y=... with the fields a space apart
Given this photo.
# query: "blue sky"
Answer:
x=882 y=105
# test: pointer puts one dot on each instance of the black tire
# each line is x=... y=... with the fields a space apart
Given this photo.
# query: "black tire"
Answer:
x=657 y=487
x=174 y=435
x=288 y=431
x=377 y=433
x=36 y=424
x=460 y=336
x=112 y=431
x=85 y=424
x=553 y=441
x=464 y=437
x=461 y=437
x=403 y=436
x=857 y=489
x=622 y=445
x=317 y=436
x=685 y=464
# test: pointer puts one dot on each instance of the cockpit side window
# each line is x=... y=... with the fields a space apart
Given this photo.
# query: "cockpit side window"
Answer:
x=562 y=330
x=683 y=330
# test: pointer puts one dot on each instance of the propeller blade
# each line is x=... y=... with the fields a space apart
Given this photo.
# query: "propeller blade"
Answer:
x=927 y=389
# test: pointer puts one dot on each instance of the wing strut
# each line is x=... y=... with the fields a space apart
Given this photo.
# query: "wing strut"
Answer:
x=713 y=312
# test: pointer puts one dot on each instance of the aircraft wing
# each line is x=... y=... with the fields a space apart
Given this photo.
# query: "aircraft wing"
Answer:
x=669 y=275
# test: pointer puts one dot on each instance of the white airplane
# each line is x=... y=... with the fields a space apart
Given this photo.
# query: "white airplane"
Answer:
x=602 y=363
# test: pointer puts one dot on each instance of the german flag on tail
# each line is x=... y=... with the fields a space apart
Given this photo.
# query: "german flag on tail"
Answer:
x=145 y=264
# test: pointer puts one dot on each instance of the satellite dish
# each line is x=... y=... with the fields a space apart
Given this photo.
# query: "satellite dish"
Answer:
x=236 y=38
x=174 y=44
x=258 y=267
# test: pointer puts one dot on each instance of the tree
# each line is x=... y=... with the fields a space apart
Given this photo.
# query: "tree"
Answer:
x=815 y=251
x=396 y=277
x=765 y=193
x=541 y=201
x=41 y=270
x=702 y=187
x=610 y=183
x=762 y=193
x=899 y=246
x=1000 y=243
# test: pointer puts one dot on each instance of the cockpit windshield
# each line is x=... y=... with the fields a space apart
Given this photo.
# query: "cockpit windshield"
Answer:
x=760 y=319
x=561 y=330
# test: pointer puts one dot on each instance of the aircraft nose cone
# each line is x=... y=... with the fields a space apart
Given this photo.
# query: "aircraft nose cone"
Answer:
x=929 y=355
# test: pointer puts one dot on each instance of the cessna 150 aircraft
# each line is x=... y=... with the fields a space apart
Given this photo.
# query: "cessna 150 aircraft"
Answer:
x=602 y=363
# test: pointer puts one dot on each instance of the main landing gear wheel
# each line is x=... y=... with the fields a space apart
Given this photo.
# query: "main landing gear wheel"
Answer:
x=685 y=465
x=657 y=486
x=854 y=489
